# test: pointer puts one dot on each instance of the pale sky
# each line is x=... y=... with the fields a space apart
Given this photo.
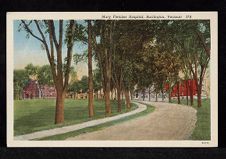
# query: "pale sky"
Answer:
x=28 y=50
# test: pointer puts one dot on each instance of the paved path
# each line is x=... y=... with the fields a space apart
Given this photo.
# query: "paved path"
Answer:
x=65 y=129
x=167 y=122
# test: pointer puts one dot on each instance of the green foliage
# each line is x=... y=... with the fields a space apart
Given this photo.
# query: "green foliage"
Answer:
x=97 y=85
x=31 y=70
x=80 y=33
x=75 y=87
x=45 y=75
x=73 y=75
x=20 y=79
x=80 y=57
x=79 y=85
x=84 y=83
x=190 y=38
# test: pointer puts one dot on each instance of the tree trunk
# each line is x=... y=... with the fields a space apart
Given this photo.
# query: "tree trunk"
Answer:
x=170 y=94
x=199 y=97
x=191 y=93
x=156 y=96
x=112 y=95
x=107 y=88
x=97 y=94
x=128 y=106
x=169 y=98
x=108 y=69
x=199 y=86
x=178 y=92
x=149 y=94
x=119 y=101
x=90 y=73
x=199 y=94
x=100 y=95
x=187 y=91
x=59 y=116
x=107 y=102
x=90 y=103
x=131 y=94
x=143 y=94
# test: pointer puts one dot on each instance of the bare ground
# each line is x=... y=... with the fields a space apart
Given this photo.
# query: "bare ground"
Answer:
x=167 y=122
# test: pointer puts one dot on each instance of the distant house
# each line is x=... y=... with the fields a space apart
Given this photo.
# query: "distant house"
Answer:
x=31 y=90
x=84 y=95
x=48 y=91
x=77 y=95
x=183 y=89
x=34 y=90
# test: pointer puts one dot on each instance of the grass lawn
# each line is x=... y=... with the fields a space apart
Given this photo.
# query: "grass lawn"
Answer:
x=202 y=129
x=98 y=127
x=38 y=114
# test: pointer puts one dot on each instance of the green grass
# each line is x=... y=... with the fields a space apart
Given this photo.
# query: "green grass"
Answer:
x=202 y=129
x=38 y=114
x=98 y=127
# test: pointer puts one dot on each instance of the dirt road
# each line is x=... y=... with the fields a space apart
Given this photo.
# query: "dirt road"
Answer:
x=167 y=122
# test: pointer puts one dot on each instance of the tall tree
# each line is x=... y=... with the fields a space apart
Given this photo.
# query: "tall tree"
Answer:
x=90 y=73
x=192 y=40
x=103 y=50
x=195 y=48
x=52 y=44
x=131 y=36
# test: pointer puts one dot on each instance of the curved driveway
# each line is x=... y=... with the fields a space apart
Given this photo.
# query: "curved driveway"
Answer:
x=167 y=122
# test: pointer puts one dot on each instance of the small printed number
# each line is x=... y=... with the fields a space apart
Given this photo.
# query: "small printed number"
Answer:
x=188 y=16
x=205 y=142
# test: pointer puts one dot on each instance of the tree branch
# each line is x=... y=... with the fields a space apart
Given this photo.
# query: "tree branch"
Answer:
x=207 y=50
x=50 y=54
x=29 y=31
x=43 y=39
x=60 y=33
x=52 y=63
x=52 y=30
x=69 y=53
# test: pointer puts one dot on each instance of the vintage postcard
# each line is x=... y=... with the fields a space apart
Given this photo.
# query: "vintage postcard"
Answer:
x=112 y=79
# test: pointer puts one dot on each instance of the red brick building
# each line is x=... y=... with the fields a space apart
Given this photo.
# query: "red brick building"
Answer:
x=183 y=89
x=34 y=90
